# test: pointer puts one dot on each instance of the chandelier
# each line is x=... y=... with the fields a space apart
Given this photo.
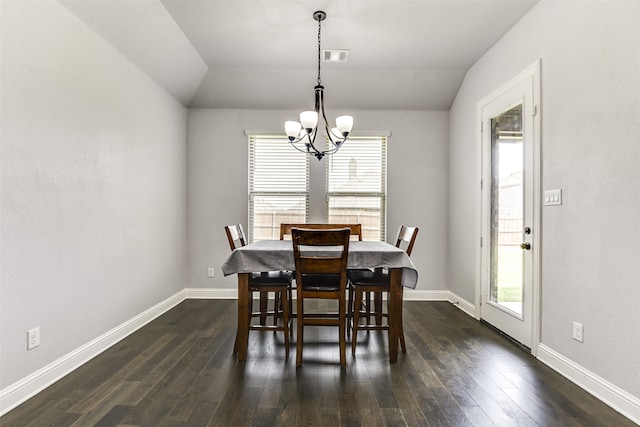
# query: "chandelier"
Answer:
x=303 y=133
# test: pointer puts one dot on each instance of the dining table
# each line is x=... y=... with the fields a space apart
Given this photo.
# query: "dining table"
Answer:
x=277 y=255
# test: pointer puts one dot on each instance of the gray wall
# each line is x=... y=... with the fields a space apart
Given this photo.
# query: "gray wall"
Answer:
x=218 y=184
x=93 y=196
x=591 y=149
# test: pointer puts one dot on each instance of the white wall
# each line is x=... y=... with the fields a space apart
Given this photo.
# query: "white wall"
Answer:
x=93 y=190
x=591 y=149
x=218 y=184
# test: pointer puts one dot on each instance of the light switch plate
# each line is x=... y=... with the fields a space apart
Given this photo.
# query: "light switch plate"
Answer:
x=553 y=197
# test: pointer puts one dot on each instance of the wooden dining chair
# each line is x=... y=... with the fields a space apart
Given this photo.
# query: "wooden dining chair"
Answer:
x=378 y=283
x=277 y=282
x=356 y=234
x=321 y=276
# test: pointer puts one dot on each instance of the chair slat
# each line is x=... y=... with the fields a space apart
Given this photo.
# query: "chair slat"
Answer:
x=355 y=229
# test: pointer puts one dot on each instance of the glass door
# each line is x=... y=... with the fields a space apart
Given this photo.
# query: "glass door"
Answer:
x=508 y=222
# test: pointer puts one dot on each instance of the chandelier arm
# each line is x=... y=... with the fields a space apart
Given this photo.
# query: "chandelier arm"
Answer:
x=311 y=143
x=296 y=140
x=310 y=148
x=293 y=144
x=300 y=139
x=334 y=140
x=333 y=149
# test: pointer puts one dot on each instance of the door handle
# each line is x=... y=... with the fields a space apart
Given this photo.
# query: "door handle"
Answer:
x=526 y=246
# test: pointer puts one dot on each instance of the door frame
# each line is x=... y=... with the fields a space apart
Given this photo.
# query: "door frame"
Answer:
x=533 y=72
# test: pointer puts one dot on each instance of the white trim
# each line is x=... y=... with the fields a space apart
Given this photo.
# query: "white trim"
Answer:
x=533 y=71
x=462 y=304
x=232 y=293
x=418 y=295
x=211 y=293
x=271 y=132
x=34 y=383
x=614 y=396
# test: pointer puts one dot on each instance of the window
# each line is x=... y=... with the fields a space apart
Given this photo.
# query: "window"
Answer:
x=278 y=186
x=357 y=185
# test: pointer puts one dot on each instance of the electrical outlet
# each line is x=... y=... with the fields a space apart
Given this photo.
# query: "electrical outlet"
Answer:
x=578 y=332
x=33 y=338
x=210 y=272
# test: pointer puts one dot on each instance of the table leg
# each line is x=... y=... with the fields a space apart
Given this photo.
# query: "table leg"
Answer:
x=242 y=335
x=395 y=312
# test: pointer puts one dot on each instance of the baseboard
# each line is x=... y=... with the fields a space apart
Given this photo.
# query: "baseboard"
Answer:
x=32 y=384
x=463 y=304
x=418 y=295
x=211 y=293
x=618 y=399
x=227 y=293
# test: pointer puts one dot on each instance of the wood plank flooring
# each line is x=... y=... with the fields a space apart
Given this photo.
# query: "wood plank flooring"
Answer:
x=180 y=370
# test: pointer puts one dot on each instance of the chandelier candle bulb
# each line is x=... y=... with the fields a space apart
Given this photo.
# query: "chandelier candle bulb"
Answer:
x=292 y=129
x=309 y=120
x=344 y=124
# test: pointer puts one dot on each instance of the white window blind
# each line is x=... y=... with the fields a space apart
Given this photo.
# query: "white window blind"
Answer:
x=278 y=186
x=357 y=185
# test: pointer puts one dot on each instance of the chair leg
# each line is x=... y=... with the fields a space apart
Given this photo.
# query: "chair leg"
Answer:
x=349 y=309
x=367 y=306
x=377 y=306
x=277 y=308
x=291 y=314
x=356 y=319
x=285 y=321
x=264 y=300
x=300 y=325
x=342 y=309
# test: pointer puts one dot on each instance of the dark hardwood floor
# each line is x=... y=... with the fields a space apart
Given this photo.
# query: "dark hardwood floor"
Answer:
x=179 y=370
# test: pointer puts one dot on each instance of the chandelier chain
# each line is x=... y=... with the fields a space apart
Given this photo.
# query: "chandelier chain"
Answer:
x=319 y=53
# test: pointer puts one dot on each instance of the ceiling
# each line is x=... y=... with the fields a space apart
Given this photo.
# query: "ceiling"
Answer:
x=262 y=54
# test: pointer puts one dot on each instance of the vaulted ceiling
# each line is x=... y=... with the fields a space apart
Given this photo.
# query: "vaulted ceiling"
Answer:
x=404 y=54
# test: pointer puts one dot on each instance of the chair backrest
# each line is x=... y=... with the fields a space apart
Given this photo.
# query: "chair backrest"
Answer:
x=235 y=235
x=406 y=238
x=355 y=229
x=309 y=263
